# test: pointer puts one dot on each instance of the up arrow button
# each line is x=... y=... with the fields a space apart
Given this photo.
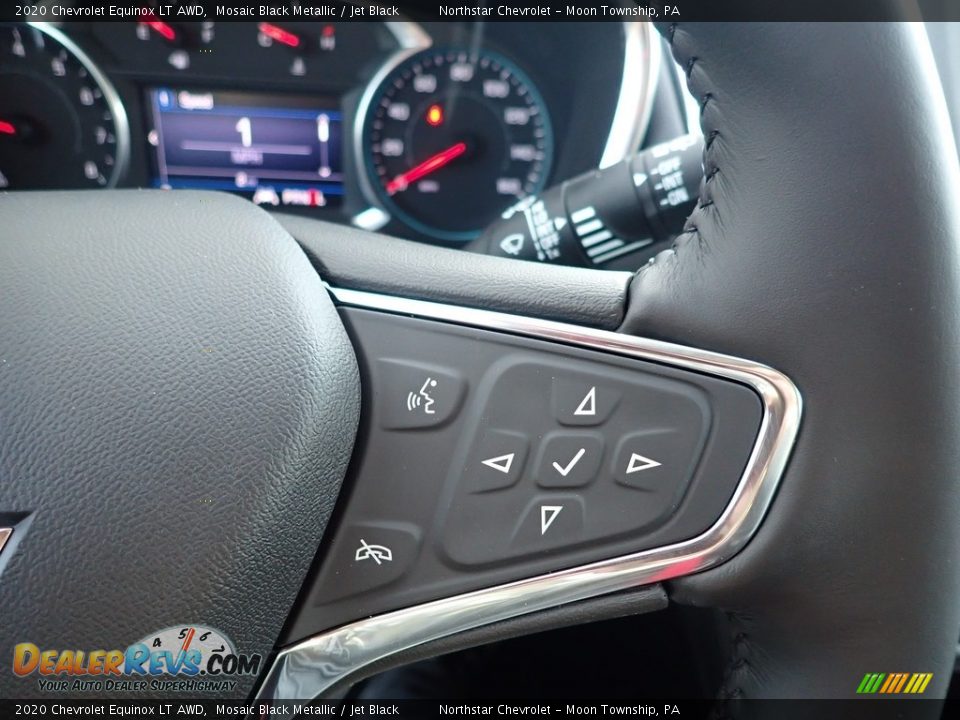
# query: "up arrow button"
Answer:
x=583 y=401
x=588 y=406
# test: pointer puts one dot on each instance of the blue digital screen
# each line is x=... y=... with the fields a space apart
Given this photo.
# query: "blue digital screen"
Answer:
x=277 y=150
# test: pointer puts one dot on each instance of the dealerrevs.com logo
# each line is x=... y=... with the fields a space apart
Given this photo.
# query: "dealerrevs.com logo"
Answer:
x=189 y=658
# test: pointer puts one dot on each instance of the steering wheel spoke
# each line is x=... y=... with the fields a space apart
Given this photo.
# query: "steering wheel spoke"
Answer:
x=510 y=465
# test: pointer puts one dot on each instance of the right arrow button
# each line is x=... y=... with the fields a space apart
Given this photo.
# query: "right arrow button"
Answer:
x=640 y=462
x=655 y=461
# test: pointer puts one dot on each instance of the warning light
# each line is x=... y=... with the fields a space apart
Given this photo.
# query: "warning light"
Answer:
x=434 y=115
x=328 y=38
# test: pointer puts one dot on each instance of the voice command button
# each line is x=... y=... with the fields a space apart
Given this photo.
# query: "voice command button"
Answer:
x=412 y=395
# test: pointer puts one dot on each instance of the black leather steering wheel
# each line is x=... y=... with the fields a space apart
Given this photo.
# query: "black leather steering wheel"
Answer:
x=179 y=399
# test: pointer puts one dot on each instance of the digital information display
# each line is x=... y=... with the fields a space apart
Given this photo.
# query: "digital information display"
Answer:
x=277 y=150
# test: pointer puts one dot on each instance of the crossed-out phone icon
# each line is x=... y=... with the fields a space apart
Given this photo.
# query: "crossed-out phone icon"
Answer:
x=378 y=553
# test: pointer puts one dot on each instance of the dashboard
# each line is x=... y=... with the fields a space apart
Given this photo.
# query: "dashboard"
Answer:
x=420 y=130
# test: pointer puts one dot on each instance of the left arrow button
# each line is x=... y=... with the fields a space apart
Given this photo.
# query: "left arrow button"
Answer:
x=496 y=461
x=501 y=463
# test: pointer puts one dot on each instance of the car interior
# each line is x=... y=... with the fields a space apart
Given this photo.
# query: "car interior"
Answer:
x=455 y=355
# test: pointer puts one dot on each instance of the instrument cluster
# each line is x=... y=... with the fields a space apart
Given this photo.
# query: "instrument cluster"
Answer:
x=427 y=131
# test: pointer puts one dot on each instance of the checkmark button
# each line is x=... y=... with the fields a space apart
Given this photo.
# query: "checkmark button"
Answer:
x=569 y=459
x=564 y=470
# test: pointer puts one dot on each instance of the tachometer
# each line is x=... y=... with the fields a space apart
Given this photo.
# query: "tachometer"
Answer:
x=61 y=122
x=453 y=137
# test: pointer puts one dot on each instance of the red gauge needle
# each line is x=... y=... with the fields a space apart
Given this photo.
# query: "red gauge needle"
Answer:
x=274 y=32
x=7 y=128
x=187 y=640
x=161 y=28
x=402 y=182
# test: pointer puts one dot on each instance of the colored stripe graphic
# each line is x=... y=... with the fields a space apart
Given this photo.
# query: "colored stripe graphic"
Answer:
x=894 y=683
x=870 y=683
x=891 y=679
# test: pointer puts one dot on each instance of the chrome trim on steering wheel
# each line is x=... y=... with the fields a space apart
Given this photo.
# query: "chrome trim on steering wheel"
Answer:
x=4 y=534
x=313 y=666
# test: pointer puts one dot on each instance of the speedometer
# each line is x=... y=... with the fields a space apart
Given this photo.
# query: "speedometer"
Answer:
x=61 y=122
x=453 y=137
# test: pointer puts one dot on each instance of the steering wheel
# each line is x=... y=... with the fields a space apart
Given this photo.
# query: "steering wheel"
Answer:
x=180 y=401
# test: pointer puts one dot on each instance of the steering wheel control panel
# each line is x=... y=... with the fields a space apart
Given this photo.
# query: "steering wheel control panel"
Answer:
x=487 y=457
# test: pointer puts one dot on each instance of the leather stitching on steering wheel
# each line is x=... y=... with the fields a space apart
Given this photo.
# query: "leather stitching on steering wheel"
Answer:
x=738 y=662
x=711 y=169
